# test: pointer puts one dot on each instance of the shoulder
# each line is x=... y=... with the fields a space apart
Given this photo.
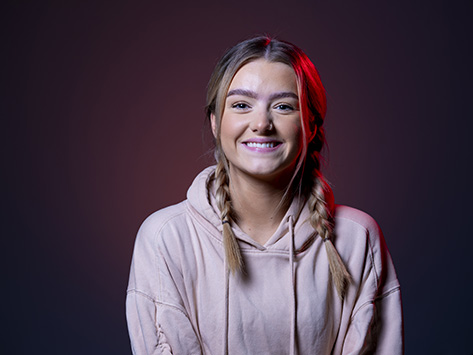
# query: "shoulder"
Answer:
x=156 y=226
x=354 y=217
x=162 y=217
x=151 y=250
x=355 y=229
x=360 y=242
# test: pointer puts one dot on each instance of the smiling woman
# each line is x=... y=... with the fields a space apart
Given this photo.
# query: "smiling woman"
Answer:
x=258 y=259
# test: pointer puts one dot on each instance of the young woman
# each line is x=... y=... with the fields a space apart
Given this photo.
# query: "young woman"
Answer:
x=258 y=259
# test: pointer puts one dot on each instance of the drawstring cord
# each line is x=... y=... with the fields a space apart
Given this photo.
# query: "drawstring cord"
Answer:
x=293 y=280
x=225 y=333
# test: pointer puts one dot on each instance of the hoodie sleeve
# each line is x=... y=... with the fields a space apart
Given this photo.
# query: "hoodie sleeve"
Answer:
x=156 y=316
x=376 y=323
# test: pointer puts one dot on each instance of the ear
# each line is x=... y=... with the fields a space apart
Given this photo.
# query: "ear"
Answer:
x=213 y=124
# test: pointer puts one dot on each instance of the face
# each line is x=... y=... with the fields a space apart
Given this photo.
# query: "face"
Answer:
x=260 y=131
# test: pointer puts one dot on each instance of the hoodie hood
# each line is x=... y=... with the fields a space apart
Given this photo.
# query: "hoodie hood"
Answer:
x=203 y=204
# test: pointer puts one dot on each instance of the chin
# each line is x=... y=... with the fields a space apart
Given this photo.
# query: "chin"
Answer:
x=273 y=173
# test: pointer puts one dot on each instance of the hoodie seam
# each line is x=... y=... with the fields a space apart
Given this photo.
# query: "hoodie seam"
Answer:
x=166 y=221
x=370 y=248
x=158 y=254
x=157 y=234
x=375 y=299
x=353 y=221
x=160 y=303
x=373 y=263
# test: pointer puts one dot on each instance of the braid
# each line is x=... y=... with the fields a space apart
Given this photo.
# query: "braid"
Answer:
x=232 y=250
x=322 y=221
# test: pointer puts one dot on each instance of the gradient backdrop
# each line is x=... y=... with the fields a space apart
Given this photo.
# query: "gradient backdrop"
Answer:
x=102 y=124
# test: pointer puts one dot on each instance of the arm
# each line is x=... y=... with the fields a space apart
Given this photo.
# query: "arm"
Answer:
x=156 y=317
x=376 y=327
x=374 y=324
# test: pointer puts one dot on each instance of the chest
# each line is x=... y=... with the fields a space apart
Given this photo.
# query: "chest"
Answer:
x=261 y=309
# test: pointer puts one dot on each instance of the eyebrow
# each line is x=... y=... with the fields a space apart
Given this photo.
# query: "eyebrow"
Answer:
x=254 y=95
x=280 y=95
x=242 y=92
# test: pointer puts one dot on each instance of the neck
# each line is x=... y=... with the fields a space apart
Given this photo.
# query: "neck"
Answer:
x=258 y=205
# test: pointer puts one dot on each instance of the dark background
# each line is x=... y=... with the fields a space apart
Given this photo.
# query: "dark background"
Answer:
x=102 y=124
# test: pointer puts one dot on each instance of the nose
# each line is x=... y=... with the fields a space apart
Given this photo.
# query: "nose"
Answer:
x=262 y=122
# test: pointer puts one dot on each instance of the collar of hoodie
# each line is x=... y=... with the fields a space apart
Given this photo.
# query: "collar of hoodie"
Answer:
x=206 y=210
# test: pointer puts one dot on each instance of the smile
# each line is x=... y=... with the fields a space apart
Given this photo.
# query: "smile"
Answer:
x=261 y=145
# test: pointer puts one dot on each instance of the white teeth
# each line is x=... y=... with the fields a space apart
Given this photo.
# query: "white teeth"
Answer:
x=260 y=145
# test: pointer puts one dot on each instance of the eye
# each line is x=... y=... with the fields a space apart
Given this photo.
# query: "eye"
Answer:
x=240 y=106
x=284 y=107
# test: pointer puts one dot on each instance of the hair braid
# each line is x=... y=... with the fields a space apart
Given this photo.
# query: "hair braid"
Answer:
x=322 y=221
x=230 y=244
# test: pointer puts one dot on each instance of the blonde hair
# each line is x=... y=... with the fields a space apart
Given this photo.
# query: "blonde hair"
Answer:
x=311 y=182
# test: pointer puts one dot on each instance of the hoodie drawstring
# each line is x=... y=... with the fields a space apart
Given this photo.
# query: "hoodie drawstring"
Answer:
x=225 y=333
x=293 y=287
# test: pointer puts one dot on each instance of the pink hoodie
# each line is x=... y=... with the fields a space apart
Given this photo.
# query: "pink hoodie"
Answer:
x=180 y=299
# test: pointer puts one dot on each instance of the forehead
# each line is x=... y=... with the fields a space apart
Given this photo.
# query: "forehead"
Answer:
x=262 y=75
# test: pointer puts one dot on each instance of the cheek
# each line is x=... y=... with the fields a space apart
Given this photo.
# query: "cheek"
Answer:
x=231 y=129
x=297 y=134
x=297 y=137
